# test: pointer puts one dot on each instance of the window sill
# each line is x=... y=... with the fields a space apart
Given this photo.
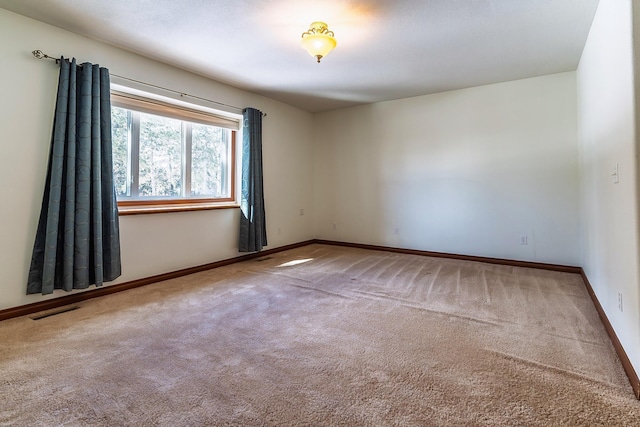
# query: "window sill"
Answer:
x=168 y=208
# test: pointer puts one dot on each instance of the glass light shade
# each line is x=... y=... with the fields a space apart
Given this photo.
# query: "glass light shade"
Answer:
x=318 y=44
x=318 y=41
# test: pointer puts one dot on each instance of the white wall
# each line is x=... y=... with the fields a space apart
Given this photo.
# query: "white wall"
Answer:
x=466 y=172
x=607 y=136
x=151 y=244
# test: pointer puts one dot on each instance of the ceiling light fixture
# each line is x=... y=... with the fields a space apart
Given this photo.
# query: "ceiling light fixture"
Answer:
x=318 y=40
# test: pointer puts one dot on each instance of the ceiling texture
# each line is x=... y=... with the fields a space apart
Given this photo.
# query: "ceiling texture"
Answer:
x=386 y=49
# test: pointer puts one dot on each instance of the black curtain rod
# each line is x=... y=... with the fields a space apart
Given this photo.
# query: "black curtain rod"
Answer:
x=41 y=55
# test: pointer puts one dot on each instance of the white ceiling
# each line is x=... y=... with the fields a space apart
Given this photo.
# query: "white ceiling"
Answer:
x=387 y=49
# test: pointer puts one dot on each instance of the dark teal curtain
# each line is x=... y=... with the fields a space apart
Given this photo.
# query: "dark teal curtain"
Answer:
x=253 y=226
x=77 y=241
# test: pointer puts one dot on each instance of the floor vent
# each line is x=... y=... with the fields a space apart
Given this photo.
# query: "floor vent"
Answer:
x=55 y=312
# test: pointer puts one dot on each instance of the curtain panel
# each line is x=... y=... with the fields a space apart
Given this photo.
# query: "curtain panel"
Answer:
x=253 y=227
x=77 y=240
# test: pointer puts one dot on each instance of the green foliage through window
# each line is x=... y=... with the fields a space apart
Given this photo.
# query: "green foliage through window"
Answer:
x=157 y=157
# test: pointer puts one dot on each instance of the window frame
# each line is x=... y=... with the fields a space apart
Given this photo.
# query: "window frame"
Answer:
x=152 y=104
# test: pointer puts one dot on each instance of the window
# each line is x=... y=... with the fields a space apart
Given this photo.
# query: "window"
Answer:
x=166 y=157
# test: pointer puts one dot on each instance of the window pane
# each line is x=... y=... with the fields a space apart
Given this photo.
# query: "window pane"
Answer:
x=160 y=156
x=120 y=149
x=209 y=161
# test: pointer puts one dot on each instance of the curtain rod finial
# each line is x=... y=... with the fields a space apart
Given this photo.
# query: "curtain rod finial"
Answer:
x=41 y=55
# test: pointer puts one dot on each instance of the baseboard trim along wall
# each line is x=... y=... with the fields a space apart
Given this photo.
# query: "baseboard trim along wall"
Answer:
x=501 y=261
x=622 y=355
x=56 y=303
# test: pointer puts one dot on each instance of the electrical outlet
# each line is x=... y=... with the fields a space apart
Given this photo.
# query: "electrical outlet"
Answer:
x=279 y=230
x=301 y=212
x=620 y=301
x=524 y=240
x=396 y=231
x=334 y=226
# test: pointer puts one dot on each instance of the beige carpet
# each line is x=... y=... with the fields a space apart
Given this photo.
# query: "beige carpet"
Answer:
x=348 y=338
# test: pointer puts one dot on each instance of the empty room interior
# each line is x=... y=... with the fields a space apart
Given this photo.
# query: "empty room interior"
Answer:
x=450 y=206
